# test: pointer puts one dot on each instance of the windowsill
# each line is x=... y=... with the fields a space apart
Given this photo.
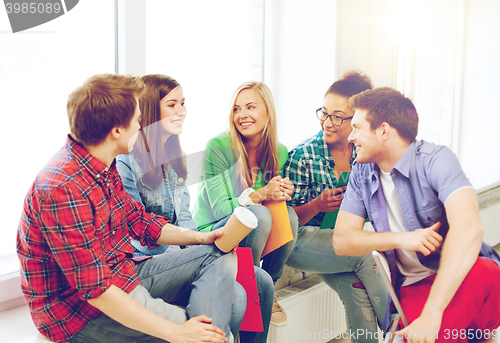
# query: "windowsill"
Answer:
x=10 y=290
x=10 y=295
x=8 y=264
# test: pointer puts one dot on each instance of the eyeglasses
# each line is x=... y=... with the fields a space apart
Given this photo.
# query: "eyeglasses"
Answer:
x=335 y=119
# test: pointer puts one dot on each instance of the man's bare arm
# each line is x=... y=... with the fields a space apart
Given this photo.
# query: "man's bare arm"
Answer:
x=459 y=253
x=121 y=307
x=350 y=239
x=176 y=235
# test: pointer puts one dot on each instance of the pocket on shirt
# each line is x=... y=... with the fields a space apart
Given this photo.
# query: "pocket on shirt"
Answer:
x=150 y=198
x=429 y=215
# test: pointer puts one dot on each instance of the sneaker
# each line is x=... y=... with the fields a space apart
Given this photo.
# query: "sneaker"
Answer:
x=278 y=316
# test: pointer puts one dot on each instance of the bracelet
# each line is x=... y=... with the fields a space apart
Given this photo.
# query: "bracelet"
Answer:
x=244 y=199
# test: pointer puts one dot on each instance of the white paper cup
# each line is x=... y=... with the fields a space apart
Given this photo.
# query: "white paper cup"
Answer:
x=239 y=225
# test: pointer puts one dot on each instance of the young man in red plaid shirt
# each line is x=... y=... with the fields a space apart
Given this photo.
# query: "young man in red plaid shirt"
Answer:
x=79 y=277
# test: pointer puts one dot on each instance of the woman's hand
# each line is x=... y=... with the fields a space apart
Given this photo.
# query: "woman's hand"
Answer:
x=277 y=189
x=330 y=199
x=273 y=190
x=287 y=188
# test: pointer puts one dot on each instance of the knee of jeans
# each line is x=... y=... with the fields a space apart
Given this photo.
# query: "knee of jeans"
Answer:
x=263 y=216
x=239 y=300
x=265 y=282
x=230 y=264
x=364 y=262
x=294 y=220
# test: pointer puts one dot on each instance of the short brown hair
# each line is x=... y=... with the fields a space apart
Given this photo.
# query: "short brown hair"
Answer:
x=385 y=104
x=103 y=101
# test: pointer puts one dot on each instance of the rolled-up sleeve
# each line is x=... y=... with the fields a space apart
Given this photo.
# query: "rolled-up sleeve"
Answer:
x=444 y=172
x=144 y=227
x=297 y=171
x=68 y=225
x=356 y=193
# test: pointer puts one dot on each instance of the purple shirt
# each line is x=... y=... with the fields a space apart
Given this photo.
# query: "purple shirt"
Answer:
x=424 y=177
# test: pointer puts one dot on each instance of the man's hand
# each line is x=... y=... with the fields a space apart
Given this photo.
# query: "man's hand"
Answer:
x=423 y=329
x=330 y=199
x=424 y=240
x=210 y=237
x=198 y=329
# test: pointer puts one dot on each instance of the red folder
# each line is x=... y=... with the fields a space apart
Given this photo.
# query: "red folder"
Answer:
x=252 y=321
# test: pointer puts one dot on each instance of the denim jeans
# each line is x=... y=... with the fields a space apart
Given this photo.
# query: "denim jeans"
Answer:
x=354 y=278
x=201 y=278
x=265 y=288
x=273 y=263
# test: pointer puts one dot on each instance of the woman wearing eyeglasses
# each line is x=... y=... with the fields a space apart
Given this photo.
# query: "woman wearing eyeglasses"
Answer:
x=319 y=169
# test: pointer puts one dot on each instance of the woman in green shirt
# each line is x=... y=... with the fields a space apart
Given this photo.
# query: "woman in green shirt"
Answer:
x=242 y=167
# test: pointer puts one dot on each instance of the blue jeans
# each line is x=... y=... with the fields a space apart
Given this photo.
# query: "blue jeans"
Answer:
x=273 y=263
x=201 y=278
x=354 y=278
x=265 y=288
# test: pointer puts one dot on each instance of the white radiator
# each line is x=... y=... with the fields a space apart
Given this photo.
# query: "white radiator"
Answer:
x=315 y=313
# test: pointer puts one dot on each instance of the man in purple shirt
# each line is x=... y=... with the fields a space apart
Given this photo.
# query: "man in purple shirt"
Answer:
x=426 y=217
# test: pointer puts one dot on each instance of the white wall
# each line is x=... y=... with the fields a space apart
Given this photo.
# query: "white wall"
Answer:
x=480 y=130
x=302 y=46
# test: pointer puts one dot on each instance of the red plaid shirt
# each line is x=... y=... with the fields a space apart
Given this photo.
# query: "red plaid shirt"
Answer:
x=74 y=240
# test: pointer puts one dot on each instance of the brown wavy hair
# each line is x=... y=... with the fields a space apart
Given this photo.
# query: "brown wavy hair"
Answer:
x=150 y=152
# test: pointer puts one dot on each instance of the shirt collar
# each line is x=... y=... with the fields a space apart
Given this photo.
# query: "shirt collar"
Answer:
x=322 y=147
x=325 y=153
x=403 y=165
x=95 y=167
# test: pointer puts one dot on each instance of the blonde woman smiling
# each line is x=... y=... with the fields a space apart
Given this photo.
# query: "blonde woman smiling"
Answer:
x=242 y=168
x=155 y=174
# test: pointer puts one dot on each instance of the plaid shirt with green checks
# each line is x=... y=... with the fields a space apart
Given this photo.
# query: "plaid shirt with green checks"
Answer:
x=310 y=168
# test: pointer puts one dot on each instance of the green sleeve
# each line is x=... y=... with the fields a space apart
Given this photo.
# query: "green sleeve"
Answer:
x=218 y=173
x=282 y=155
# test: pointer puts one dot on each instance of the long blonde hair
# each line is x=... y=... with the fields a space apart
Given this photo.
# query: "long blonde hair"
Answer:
x=269 y=142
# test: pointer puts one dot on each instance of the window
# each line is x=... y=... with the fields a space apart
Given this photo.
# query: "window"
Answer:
x=449 y=70
x=210 y=52
x=39 y=67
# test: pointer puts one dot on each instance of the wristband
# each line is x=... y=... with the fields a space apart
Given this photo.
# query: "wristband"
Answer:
x=244 y=199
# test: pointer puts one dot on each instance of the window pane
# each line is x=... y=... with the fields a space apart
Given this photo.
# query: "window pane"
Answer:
x=480 y=131
x=210 y=48
x=451 y=64
x=39 y=67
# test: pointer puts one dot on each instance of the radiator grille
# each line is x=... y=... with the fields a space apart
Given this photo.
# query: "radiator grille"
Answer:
x=315 y=313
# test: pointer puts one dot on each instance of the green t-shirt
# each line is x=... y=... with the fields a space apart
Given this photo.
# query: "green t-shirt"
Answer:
x=218 y=191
